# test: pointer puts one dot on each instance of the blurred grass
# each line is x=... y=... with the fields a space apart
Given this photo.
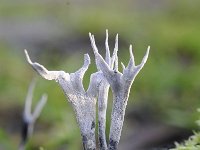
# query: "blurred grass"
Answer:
x=169 y=82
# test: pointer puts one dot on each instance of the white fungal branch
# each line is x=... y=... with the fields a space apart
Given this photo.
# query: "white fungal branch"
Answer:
x=29 y=118
x=120 y=85
x=83 y=102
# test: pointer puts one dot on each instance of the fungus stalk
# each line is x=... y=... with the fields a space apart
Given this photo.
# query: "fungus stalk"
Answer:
x=29 y=118
x=103 y=97
x=120 y=85
x=83 y=102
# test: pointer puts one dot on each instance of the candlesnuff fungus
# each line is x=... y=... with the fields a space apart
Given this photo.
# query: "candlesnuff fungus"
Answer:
x=28 y=117
x=120 y=85
x=84 y=102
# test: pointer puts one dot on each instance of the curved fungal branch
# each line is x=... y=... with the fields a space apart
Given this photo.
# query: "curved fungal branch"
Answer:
x=29 y=118
x=120 y=85
x=39 y=107
x=49 y=75
x=83 y=103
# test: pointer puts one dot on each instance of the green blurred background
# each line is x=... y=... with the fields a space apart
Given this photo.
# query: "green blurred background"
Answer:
x=164 y=97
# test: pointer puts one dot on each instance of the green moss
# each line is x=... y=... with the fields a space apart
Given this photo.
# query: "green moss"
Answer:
x=193 y=143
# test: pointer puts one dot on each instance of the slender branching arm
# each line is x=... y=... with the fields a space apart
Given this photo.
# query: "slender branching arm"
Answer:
x=131 y=71
x=39 y=107
x=49 y=75
x=77 y=77
x=28 y=101
x=120 y=85
x=29 y=119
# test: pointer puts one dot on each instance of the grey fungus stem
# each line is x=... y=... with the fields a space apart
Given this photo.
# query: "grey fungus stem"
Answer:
x=120 y=85
x=30 y=118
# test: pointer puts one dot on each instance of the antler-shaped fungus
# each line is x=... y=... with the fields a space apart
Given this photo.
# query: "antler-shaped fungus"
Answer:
x=120 y=85
x=28 y=117
x=83 y=102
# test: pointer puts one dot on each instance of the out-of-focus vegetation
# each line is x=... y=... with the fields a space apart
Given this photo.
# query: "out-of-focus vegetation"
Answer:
x=56 y=34
x=193 y=143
